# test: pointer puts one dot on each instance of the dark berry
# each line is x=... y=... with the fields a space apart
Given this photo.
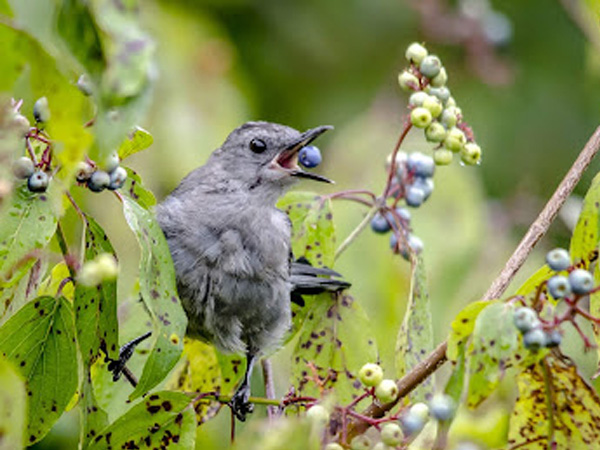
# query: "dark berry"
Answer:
x=98 y=181
x=526 y=319
x=442 y=407
x=553 y=338
x=559 y=286
x=309 y=156
x=420 y=165
x=534 y=339
x=41 y=111
x=424 y=184
x=379 y=224
x=581 y=281
x=558 y=259
x=414 y=197
x=117 y=178
x=38 y=181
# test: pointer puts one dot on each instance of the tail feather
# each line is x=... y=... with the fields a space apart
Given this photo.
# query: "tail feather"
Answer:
x=309 y=280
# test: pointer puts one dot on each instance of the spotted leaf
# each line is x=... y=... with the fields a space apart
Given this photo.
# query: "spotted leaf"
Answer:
x=584 y=242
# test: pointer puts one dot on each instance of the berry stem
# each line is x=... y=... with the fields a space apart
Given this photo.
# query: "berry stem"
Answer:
x=62 y=243
x=267 y=369
x=352 y=236
x=406 y=128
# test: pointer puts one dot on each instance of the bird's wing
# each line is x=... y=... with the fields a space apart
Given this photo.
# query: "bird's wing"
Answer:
x=309 y=280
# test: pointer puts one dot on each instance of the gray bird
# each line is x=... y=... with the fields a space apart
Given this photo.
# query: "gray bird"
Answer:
x=231 y=246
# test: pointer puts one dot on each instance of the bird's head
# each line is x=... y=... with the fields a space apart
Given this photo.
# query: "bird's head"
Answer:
x=266 y=154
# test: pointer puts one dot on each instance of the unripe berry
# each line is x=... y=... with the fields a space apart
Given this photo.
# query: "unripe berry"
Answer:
x=534 y=339
x=553 y=338
x=106 y=265
x=360 y=442
x=333 y=446
x=85 y=85
x=415 y=53
x=420 y=410
x=38 y=181
x=21 y=125
x=455 y=140
x=420 y=117
x=386 y=391
x=443 y=93
x=470 y=153
x=430 y=66
x=382 y=446
x=559 y=286
x=414 y=197
x=41 y=110
x=581 y=281
x=98 y=181
x=23 y=167
x=434 y=105
x=442 y=407
x=449 y=117
x=558 y=259
x=443 y=156
x=117 y=178
x=420 y=165
x=417 y=98
x=391 y=434
x=440 y=79
x=435 y=132
x=525 y=319
x=111 y=162
x=84 y=171
x=408 y=81
x=370 y=374
x=318 y=415
x=310 y=156
x=450 y=102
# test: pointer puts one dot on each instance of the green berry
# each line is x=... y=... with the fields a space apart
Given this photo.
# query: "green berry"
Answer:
x=415 y=53
x=111 y=162
x=318 y=415
x=434 y=105
x=360 y=442
x=85 y=85
x=420 y=117
x=333 y=446
x=106 y=265
x=435 y=132
x=525 y=319
x=386 y=391
x=420 y=410
x=98 y=181
x=21 y=125
x=442 y=156
x=558 y=259
x=443 y=93
x=470 y=154
x=391 y=434
x=38 y=181
x=23 y=167
x=370 y=374
x=417 y=98
x=455 y=140
x=430 y=66
x=581 y=281
x=442 y=407
x=382 y=446
x=41 y=111
x=450 y=102
x=408 y=81
x=440 y=79
x=449 y=116
x=534 y=339
x=559 y=286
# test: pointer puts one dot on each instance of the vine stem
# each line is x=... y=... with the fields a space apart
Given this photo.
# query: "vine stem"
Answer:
x=535 y=232
x=360 y=227
x=267 y=369
x=64 y=249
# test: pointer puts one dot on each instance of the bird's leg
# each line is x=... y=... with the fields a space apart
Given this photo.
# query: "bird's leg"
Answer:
x=240 y=406
x=118 y=366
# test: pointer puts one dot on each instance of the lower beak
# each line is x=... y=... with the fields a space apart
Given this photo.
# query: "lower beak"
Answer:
x=288 y=158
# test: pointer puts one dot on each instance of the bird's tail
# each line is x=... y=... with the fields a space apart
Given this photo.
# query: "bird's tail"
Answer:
x=309 y=280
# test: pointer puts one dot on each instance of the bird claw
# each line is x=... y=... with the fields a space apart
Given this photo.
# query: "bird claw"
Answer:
x=239 y=404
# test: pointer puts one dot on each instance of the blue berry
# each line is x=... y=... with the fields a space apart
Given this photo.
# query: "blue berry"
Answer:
x=526 y=319
x=558 y=259
x=393 y=241
x=415 y=243
x=559 y=286
x=420 y=165
x=310 y=156
x=404 y=214
x=430 y=66
x=442 y=407
x=534 y=339
x=41 y=111
x=414 y=197
x=553 y=338
x=443 y=93
x=98 y=181
x=379 y=224
x=581 y=281
x=38 y=182
x=412 y=423
x=117 y=178
x=425 y=184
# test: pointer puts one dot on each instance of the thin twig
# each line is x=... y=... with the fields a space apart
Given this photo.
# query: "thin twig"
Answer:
x=537 y=229
x=267 y=369
x=360 y=227
x=62 y=243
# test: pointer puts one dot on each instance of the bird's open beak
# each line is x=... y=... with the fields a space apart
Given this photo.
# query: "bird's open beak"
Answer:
x=288 y=158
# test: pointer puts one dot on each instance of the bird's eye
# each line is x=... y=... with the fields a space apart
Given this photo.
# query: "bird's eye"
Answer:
x=258 y=145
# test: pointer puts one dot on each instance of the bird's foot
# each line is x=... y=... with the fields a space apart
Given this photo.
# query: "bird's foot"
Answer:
x=239 y=404
x=118 y=366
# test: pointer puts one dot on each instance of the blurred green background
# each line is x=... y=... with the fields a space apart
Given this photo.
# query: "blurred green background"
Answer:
x=525 y=74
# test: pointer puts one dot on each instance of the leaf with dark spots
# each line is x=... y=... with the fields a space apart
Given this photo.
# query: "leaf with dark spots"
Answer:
x=150 y=425
x=584 y=242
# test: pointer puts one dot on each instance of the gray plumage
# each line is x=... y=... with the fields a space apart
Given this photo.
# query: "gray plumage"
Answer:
x=231 y=245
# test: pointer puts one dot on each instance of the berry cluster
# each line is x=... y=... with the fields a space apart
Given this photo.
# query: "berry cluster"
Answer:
x=434 y=109
x=112 y=177
x=569 y=288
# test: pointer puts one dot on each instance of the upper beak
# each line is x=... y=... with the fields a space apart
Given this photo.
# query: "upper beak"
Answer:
x=288 y=157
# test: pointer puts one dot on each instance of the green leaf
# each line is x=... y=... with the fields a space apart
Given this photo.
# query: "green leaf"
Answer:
x=415 y=337
x=584 y=242
x=159 y=292
x=595 y=307
x=136 y=141
x=93 y=418
x=530 y=287
x=162 y=420
x=40 y=341
x=134 y=188
x=461 y=328
x=96 y=306
x=336 y=342
x=26 y=225
x=15 y=292
x=12 y=407
x=283 y=434
x=555 y=405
